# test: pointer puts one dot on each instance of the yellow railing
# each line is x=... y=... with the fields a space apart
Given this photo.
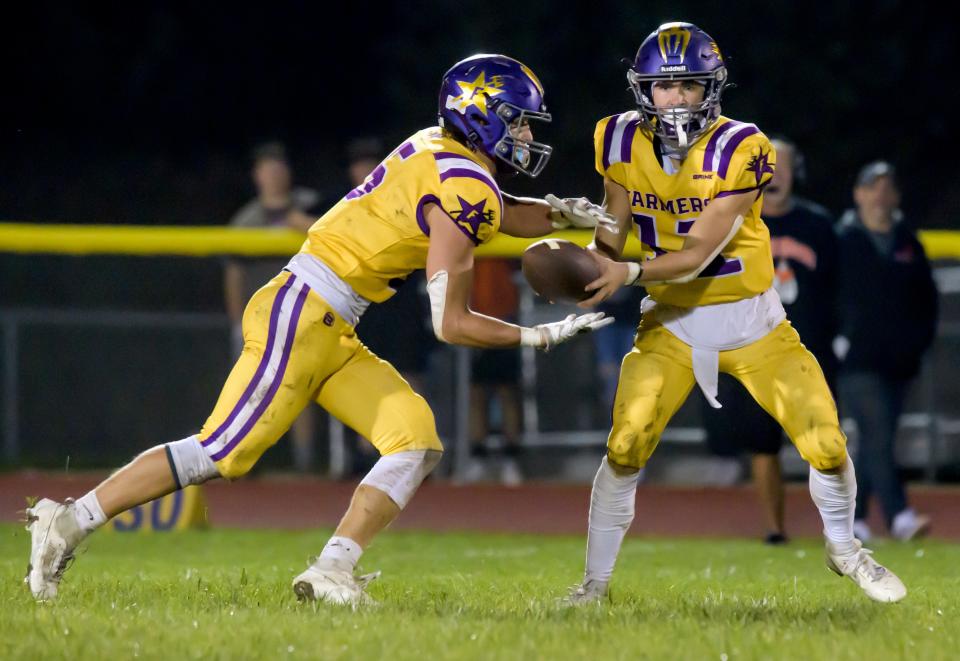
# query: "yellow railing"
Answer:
x=205 y=241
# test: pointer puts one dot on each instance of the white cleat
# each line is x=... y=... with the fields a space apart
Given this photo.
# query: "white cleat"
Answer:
x=54 y=534
x=334 y=586
x=589 y=592
x=878 y=582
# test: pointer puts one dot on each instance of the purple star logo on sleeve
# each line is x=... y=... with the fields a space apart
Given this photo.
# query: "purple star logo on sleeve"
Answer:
x=760 y=166
x=470 y=217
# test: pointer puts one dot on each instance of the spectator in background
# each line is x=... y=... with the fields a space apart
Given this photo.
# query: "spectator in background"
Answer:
x=277 y=204
x=397 y=330
x=495 y=372
x=888 y=315
x=804 y=251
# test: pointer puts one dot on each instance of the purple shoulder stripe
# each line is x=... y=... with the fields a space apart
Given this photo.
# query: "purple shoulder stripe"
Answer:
x=473 y=174
x=712 y=144
x=731 y=147
x=626 y=145
x=608 y=138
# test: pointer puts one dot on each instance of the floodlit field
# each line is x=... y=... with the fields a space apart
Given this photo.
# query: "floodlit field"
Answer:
x=225 y=594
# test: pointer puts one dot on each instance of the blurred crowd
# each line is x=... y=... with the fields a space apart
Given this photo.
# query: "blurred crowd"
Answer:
x=858 y=288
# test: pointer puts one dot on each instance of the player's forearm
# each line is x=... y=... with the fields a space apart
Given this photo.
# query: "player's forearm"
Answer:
x=607 y=244
x=526 y=217
x=673 y=266
x=477 y=330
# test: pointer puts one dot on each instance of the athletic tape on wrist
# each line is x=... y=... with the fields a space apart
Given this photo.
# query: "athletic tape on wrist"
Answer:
x=634 y=271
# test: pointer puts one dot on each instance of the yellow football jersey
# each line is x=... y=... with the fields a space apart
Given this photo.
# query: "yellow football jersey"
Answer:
x=378 y=234
x=665 y=200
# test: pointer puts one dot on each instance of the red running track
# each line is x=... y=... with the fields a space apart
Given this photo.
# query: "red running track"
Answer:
x=307 y=502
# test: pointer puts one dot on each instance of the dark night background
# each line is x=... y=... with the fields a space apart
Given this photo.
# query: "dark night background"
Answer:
x=145 y=112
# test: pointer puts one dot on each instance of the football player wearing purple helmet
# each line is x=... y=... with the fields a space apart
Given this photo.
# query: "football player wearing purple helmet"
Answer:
x=486 y=101
x=427 y=205
x=690 y=181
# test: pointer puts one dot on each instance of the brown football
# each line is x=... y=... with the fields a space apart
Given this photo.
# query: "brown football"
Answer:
x=558 y=270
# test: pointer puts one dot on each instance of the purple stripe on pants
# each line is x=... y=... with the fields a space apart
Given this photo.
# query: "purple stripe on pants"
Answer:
x=277 y=379
x=712 y=144
x=261 y=368
x=608 y=138
x=731 y=147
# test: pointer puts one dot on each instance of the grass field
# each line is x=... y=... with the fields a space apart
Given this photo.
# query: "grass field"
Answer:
x=225 y=594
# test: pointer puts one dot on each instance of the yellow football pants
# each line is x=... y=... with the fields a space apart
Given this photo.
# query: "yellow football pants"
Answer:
x=778 y=371
x=297 y=349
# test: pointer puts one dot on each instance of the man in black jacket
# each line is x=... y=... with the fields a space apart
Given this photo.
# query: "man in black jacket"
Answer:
x=883 y=273
x=804 y=251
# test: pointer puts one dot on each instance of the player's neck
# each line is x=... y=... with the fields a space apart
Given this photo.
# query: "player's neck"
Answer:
x=485 y=161
x=276 y=200
x=880 y=223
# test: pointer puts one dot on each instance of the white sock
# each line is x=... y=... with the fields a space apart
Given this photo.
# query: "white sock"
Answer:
x=835 y=496
x=341 y=553
x=612 y=503
x=89 y=514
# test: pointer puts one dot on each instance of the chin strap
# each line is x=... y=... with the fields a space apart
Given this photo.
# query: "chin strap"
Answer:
x=681 y=135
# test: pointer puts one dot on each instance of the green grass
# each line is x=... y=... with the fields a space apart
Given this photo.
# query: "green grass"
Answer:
x=225 y=594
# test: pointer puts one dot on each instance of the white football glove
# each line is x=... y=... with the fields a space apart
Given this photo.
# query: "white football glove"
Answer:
x=579 y=212
x=547 y=336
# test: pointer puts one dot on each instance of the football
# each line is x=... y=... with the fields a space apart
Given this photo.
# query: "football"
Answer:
x=558 y=270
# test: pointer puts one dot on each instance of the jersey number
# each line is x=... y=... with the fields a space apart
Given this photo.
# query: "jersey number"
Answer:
x=375 y=178
x=647 y=232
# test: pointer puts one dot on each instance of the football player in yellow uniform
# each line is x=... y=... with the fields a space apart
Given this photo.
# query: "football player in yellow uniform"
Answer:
x=690 y=181
x=427 y=205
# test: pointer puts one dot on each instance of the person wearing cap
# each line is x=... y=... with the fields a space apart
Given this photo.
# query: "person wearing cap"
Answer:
x=883 y=272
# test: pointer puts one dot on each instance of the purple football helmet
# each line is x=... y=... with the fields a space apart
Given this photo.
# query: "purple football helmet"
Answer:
x=678 y=51
x=485 y=96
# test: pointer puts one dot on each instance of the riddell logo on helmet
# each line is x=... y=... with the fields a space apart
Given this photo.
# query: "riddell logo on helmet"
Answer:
x=669 y=68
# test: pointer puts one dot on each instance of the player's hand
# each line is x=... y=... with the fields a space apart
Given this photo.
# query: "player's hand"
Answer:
x=613 y=274
x=580 y=213
x=559 y=332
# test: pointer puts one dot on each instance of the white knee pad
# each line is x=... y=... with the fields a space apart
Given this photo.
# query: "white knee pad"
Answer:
x=189 y=462
x=399 y=474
